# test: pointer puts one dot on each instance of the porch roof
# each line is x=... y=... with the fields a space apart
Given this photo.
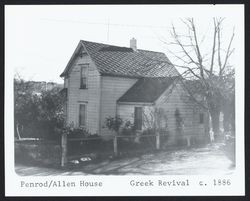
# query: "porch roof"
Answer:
x=147 y=90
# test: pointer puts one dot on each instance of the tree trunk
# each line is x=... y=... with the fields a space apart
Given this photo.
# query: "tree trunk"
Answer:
x=215 y=116
x=226 y=121
x=227 y=110
x=207 y=129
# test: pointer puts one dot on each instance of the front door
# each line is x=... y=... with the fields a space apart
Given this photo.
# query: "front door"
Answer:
x=138 y=118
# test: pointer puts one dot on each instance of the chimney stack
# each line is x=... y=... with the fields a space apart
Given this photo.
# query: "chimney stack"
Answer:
x=133 y=44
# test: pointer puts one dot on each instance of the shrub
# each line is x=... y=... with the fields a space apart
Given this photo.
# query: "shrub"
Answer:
x=73 y=131
x=128 y=129
x=37 y=152
x=79 y=132
x=37 y=116
x=114 y=123
x=90 y=144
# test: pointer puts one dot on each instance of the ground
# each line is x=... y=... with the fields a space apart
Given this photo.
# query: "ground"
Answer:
x=207 y=160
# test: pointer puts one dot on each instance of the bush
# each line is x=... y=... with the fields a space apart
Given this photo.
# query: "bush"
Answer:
x=78 y=133
x=37 y=116
x=128 y=129
x=114 y=123
x=91 y=143
x=90 y=146
x=37 y=153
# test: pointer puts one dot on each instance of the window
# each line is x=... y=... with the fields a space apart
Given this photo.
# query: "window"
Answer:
x=84 y=76
x=201 y=118
x=138 y=118
x=82 y=115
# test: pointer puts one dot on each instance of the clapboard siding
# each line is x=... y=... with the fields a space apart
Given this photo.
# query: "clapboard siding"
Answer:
x=112 y=88
x=173 y=98
x=126 y=112
x=89 y=96
x=177 y=98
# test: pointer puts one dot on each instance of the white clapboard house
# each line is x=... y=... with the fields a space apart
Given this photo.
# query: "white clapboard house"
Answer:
x=103 y=81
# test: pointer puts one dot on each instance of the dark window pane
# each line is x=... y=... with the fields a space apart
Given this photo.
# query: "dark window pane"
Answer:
x=84 y=75
x=83 y=83
x=138 y=118
x=82 y=115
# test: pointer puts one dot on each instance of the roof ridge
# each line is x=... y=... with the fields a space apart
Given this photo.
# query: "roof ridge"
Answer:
x=121 y=46
x=117 y=62
x=150 y=51
x=101 y=43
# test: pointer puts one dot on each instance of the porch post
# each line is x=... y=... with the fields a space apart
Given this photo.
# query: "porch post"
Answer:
x=115 y=145
x=64 y=149
x=157 y=140
x=188 y=141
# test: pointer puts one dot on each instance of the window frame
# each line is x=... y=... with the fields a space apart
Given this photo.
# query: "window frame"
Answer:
x=85 y=115
x=82 y=66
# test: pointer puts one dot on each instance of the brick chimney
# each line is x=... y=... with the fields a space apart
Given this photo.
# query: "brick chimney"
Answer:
x=133 y=44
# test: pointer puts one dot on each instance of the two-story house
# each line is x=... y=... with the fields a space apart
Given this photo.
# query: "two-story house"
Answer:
x=105 y=80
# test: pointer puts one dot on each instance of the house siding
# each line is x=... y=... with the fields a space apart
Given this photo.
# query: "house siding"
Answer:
x=177 y=98
x=89 y=96
x=126 y=112
x=112 y=88
x=173 y=98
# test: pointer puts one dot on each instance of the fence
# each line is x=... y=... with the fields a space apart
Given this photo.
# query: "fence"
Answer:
x=65 y=140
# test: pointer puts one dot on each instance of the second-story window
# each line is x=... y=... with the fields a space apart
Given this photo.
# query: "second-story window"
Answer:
x=84 y=76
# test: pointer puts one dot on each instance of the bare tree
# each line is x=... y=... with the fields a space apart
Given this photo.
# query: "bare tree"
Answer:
x=209 y=71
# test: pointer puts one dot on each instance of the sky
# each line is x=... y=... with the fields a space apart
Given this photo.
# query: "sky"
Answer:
x=40 y=39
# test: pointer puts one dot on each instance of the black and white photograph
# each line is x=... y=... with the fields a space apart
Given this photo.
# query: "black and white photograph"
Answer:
x=150 y=96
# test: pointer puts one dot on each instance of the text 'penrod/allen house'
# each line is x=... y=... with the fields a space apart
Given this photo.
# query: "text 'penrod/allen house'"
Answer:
x=105 y=81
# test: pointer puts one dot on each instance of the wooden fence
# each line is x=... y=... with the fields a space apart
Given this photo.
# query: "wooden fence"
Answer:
x=65 y=140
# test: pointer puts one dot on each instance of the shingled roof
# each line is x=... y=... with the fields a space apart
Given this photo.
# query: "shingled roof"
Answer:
x=123 y=61
x=147 y=90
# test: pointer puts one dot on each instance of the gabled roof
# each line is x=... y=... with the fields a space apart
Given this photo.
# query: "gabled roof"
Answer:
x=147 y=90
x=123 y=61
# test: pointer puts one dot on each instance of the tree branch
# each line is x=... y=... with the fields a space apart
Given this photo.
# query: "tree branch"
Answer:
x=213 y=48
x=228 y=53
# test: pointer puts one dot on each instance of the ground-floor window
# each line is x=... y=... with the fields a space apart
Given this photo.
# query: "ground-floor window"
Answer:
x=82 y=115
x=138 y=118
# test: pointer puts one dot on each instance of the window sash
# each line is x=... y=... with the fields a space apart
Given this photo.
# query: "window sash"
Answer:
x=82 y=115
x=138 y=118
x=83 y=83
x=84 y=75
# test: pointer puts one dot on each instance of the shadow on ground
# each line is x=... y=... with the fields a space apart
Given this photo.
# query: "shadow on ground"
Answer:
x=207 y=160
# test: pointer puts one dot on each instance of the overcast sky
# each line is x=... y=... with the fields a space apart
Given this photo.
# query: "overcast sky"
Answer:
x=39 y=40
